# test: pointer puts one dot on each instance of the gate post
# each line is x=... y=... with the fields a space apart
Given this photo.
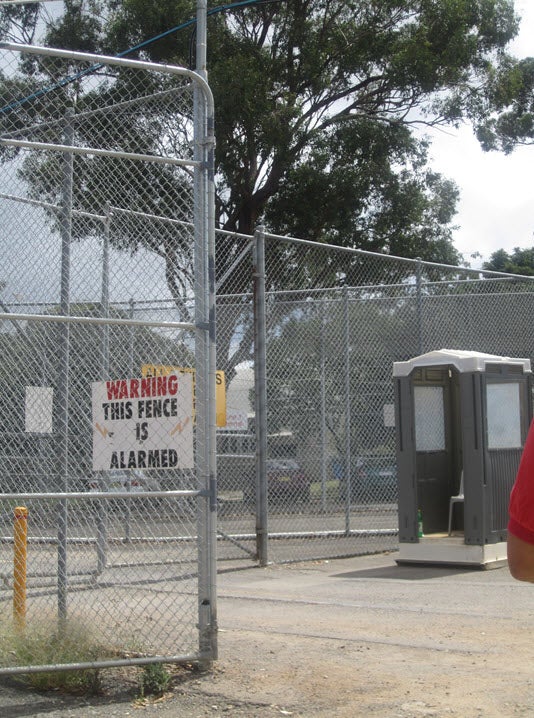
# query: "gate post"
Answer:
x=347 y=410
x=205 y=347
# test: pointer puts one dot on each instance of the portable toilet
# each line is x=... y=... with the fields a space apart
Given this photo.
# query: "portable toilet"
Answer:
x=461 y=418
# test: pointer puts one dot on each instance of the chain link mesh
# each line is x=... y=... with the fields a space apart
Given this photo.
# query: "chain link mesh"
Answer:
x=120 y=303
x=98 y=290
x=336 y=321
x=132 y=584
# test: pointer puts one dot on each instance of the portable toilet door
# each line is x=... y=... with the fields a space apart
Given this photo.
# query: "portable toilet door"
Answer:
x=432 y=456
x=438 y=449
x=507 y=413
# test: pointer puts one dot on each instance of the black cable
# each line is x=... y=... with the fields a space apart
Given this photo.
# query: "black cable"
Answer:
x=72 y=78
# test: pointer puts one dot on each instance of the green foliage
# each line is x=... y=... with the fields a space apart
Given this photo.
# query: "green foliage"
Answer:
x=298 y=71
x=520 y=261
x=315 y=108
x=512 y=93
x=43 y=644
x=366 y=202
x=79 y=31
x=154 y=680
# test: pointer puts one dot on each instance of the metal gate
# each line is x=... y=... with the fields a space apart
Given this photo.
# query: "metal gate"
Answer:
x=107 y=514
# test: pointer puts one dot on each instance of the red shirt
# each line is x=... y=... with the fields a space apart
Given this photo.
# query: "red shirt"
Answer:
x=521 y=507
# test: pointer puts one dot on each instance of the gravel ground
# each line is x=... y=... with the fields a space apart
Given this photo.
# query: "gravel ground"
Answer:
x=342 y=639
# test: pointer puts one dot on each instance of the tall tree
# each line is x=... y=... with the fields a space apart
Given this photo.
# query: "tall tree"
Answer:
x=519 y=261
x=316 y=103
x=509 y=117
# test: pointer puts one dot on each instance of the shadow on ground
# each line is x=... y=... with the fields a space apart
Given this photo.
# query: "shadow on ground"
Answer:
x=408 y=573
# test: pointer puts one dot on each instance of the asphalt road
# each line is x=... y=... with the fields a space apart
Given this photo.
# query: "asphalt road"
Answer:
x=344 y=638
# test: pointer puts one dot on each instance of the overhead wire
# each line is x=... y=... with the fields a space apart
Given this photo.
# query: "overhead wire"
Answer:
x=97 y=66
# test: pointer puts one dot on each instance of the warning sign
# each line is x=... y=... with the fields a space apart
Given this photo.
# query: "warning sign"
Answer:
x=143 y=423
x=220 y=385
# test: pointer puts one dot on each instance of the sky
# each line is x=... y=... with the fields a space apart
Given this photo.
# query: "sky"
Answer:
x=496 y=207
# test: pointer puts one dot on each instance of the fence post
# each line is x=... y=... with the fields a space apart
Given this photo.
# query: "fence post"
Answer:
x=323 y=409
x=419 y=305
x=20 y=540
x=63 y=379
x=101 y=511
x=348 y=425
x=260 y=395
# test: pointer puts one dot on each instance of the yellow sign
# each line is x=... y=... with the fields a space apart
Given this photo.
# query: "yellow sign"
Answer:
x=220 y=385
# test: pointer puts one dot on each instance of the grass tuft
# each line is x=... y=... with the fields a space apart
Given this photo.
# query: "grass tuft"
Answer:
x=154 y=680
x=41 y=643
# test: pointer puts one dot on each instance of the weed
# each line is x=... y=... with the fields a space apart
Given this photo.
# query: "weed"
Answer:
x=41 y=643
x=155 y=679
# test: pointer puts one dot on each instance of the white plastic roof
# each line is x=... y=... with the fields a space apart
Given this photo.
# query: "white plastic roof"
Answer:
x=463 y=361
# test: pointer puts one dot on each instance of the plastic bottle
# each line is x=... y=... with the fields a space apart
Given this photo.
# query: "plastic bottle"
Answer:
x=420 y=533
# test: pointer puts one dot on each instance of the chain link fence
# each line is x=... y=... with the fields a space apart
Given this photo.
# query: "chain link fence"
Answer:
x=104 y=316
x=335 y=320
x=105 y=406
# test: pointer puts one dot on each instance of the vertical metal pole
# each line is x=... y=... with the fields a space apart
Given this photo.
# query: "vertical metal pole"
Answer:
x=20 y=554
x=323 y=411
x=63 y=377
x=212 y=375
x=212 y=358
x=260 y=396
x=105 y=299
x=201 y=382
x=202 y=38
x=132 y=371
x=348 y=425
x=131 y=315
x=419 y=305
x=101 y=513
x=205 y=347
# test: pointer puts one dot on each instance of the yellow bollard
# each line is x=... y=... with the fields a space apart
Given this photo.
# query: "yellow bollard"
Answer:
x=20 y=535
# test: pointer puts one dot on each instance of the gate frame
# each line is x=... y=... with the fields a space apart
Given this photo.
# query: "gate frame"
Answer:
x=203 y=164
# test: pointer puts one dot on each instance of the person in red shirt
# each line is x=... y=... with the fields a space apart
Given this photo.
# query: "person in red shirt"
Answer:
x=520 y=544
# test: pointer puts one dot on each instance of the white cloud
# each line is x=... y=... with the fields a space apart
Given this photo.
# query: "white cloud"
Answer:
x=496 y=208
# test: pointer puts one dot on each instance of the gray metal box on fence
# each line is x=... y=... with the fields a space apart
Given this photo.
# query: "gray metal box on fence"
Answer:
x=462 y=418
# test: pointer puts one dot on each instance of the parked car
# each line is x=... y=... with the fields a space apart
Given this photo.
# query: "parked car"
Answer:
x=286 y=481
x=373 y=480
x=132 y=480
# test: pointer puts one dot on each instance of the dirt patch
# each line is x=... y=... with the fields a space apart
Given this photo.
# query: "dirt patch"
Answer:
x=341 y=639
